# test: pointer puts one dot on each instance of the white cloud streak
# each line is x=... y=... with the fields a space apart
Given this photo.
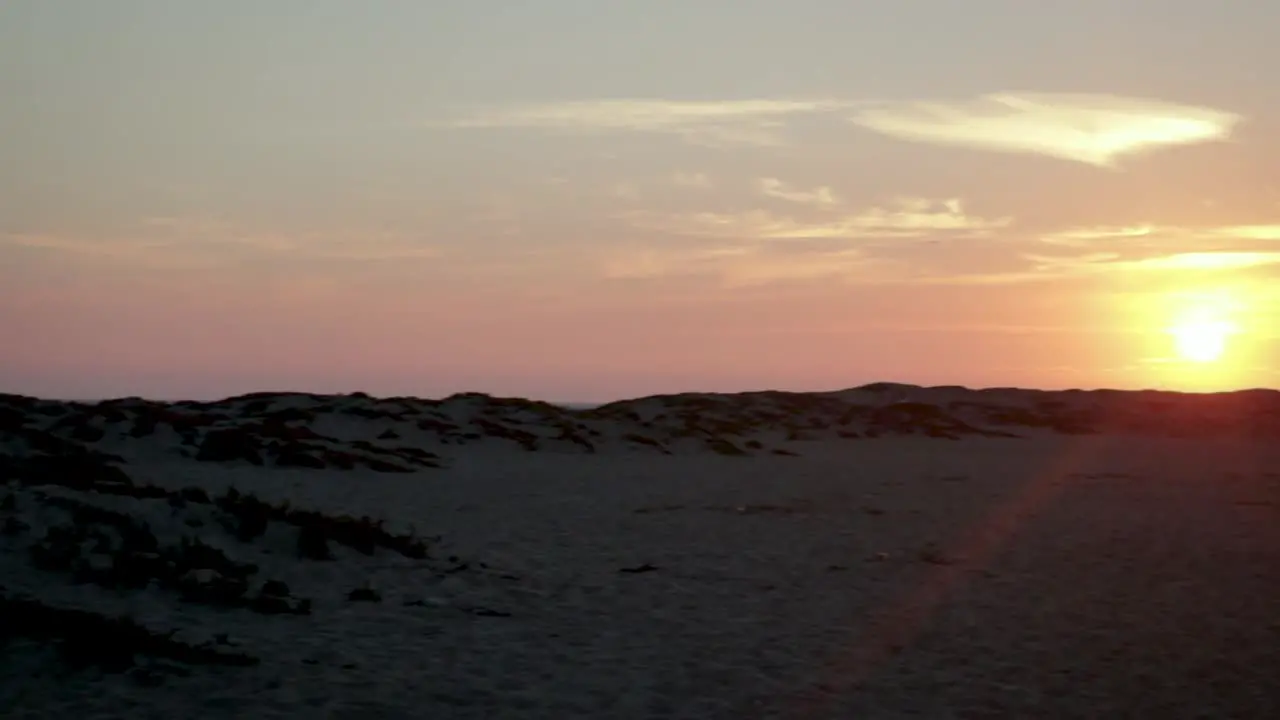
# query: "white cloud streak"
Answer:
x=1149 y=234
x=696 y=181
x=728 y=122
x=905 y=218
x=734 y=266
x=199 y=242
x=1050 y=267
x=1093 y=129
x=822 y=196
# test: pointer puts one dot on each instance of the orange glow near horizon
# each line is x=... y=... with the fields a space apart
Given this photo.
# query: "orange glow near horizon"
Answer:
x=1208 y=340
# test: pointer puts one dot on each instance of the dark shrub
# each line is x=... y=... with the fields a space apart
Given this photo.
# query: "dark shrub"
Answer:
x=312 y=543
x=364 y=594
x=228 y=445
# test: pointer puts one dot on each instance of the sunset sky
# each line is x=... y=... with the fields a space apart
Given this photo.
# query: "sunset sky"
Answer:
x=581 y=200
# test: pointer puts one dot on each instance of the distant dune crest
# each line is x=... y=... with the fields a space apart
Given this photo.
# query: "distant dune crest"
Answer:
x=406 y=434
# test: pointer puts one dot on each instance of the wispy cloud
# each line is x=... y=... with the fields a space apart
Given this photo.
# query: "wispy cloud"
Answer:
x=1097 y=264
x=822 y=196
x=1080 y=237
x=1249 y=232
x=1161 y=235
x=53 y=242
x=904 y=218
x=199 y=242
x=727 y=122
x=697 y=181
x=735 y=266
x=625 y=191
x=1093 y=129
x=1190 y=261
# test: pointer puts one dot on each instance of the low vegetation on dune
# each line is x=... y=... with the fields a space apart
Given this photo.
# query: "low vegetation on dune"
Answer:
x=77 y=517
x=409 y=435
x=113 y=644
x=117 y=551
x=248 y=516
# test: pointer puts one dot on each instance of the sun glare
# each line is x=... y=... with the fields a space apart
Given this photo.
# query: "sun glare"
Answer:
x=1200 y=340
x=1205 y=339
x=1203 y=326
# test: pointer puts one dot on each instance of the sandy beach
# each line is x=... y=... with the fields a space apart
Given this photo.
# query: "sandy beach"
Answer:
x=889 y=552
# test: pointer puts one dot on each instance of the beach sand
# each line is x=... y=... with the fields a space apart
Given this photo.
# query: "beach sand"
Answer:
x=1131 y=571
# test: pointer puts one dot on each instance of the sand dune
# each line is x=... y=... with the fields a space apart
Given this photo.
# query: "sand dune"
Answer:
x=881 y=552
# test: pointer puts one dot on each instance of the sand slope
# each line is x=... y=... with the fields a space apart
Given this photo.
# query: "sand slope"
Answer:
x=888 y=551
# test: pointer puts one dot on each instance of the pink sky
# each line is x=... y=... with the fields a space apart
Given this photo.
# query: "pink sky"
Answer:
x=367 y=201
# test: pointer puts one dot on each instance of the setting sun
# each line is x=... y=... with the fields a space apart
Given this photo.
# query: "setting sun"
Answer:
x=1201 y=340
x=1203 y=325
x=1206 y=339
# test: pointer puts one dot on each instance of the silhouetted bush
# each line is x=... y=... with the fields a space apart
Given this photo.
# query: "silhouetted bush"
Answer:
x=364 y=594
x=230 y=444
x=721 y=446
x=275 y=588
x=312 y=543
x=247 y=516
x=110 y=643
x=296 y=456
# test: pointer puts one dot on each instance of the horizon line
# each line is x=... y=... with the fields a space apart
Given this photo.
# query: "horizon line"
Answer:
x=586 y=404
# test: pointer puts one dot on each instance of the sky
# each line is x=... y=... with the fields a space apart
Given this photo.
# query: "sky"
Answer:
x=583 y=200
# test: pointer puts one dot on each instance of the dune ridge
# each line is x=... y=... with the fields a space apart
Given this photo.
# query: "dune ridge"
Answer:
x=319 y=431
